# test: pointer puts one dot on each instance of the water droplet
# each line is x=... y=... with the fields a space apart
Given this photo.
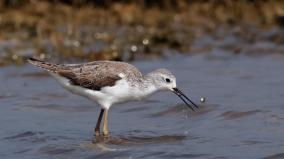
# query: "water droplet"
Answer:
x=145 y=41
x=134 y=48
x=202 y=99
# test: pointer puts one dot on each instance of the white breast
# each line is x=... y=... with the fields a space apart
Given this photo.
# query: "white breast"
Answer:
x=106 y=97
x=118 y=93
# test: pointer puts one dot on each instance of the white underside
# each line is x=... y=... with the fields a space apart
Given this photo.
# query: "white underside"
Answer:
x=107 y=96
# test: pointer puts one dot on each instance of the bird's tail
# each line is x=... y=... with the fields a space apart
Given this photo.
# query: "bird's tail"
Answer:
x=45 y=65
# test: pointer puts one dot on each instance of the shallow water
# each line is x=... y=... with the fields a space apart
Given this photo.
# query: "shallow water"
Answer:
x=243 y=116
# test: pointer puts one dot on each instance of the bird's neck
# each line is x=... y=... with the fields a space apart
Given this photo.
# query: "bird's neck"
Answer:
x=147 y=86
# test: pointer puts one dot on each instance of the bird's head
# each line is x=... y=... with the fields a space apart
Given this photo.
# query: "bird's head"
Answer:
x=165 y=80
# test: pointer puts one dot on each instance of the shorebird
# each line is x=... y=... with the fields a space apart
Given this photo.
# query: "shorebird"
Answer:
x=111 y=82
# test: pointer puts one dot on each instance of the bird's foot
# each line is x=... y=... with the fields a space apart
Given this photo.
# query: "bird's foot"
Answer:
x=106 y=135
x=97 y=134
x=98 y=138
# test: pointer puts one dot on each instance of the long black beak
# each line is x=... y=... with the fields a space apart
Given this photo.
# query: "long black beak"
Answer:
x=184 y=98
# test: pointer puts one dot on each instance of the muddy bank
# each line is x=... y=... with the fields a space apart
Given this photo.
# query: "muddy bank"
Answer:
x=132 y=31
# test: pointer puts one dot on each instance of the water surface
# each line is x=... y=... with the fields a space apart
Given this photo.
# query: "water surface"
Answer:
x=243 y=116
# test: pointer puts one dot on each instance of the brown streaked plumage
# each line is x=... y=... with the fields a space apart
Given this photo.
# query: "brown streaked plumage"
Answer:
x=93 y=75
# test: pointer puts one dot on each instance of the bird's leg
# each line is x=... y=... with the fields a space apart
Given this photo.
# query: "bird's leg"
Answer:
x=97 y=129
x=105 y=128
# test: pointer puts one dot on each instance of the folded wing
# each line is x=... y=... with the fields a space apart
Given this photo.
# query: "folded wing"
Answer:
x=93 y=75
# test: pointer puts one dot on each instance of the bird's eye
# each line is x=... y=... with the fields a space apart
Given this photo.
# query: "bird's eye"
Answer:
x=168 y=80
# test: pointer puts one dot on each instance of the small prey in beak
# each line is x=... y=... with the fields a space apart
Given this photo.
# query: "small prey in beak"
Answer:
x=184 y=98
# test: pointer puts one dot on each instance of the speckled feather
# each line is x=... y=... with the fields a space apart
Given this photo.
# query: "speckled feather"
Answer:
x=93 y=75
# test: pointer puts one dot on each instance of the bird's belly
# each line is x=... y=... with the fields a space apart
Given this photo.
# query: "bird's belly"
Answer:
x=106 y=97
x=120 y=92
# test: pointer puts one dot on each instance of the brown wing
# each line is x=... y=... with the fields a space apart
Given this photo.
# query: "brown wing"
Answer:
x=92 y=77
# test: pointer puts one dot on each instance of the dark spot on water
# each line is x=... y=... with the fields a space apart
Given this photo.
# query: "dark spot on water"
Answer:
x=275 y=156
x=54 y=150
x=252 y=142
x=29 y=136
x=22 y=151
x=142 y=140
x=24 y=135
x=35 y=137
x=4 y=96
x=229 y=115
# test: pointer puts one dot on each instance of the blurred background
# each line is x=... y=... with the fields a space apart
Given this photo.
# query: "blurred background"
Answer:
x=229 y=53
x=127 y=30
